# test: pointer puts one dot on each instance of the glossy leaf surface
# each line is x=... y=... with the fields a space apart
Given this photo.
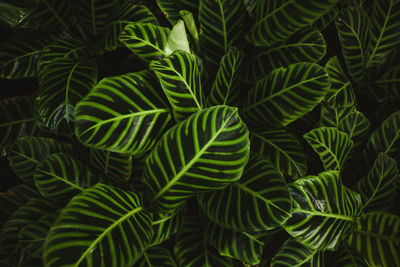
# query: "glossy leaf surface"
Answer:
x=114 y=165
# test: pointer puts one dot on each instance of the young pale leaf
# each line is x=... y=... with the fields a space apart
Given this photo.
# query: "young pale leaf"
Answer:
x=205 y=152
x=378 y=189
x=323 y=210
x=376 y=237
x=331 y=144
x=181 y=82
x=177 y=39
x=109 y=224
x=260 y=200
x=165 y=225
x=277 y=20
x=125 y=114
x=156 y=256
x=113 y=165
x=146 y=40
x=286 y=94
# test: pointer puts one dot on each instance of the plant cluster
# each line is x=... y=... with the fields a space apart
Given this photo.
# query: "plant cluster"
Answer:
x=236 y=132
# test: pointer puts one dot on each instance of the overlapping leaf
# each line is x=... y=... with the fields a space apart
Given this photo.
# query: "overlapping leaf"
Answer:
x=12 y=15
x=259 y=201
x=286 y=94
x=51 y=14
x=180 y=79
x=125 y=114
x=165 y=226
x=333 y=116
x=205 y=152
x=389 y=82
x=357 y=126
x=323 y=22
x=116 y=166
x=177 y=39
x=171 y=8
x=323 y=210
x=156 y=256
x=347 y=257
x=103 y=226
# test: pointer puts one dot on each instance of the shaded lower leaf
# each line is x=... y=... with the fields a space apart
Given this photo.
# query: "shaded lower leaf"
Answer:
x=156 y=256
x=357 y=126
x=165 y=225
x=347 y=257
x=113 y=165
x=389 y=82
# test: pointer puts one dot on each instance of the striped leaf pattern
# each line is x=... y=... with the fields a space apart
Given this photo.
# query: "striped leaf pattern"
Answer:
x=146 y=40
x=165 y=226
x=125 y=114
x=306 y=45
x=357 y=126
x=51 y=14
x=225 y=89
x=104 y=226
x=171 y=8
x=234 y=244
x=323 y=22
x=17 y=119
x=331 y=145
x=389 y=82
x=332 y=117
x=378 y=189
x=180 y=79
x=352 y=27
x=341 y=93
x=293 y=253
x=27 y=152
x=223 y=23
x=60 y=176
x=282 y=148
x=286 y=94
x=156 y=256
x=205 y=152
x=384 y=31
x=191 y=249
x=260 y=200
x=125 y=14
x=113 y=165
x=347 y=257
x=376 y=236
x=323 y=210
x=277 y=20
x=63 y=83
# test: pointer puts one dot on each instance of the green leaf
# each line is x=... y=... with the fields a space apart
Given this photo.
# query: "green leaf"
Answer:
x=191 y=248
x=146 y=40
x=113 y=165
x=17 y=117
x=125 y=14
x=352 y=27
x=156 y=256
x=223 y=24
x=177 y=39
x=277 y=20
x=171 y=8
x=124 y=114
x=102 y=226
x=293 y=253
x=165 y=226
x=60 y=176
x=389 y=82
x=376 y=237
x=62 y=84
x=378 y=189
x=205 y=152
x=323 y=210
x=332 y=116
x=357 y=126
x=225 y=89
x=181 y=82
x=384 y=31
x=306 y=45
x=323 y=22
x=11 y=15
x=346 y=257
x=331 y=144
x=27 y=152
x=341 y=93
x=282 y=148
x=191 y=26
x=260 y=200
x=286 y=94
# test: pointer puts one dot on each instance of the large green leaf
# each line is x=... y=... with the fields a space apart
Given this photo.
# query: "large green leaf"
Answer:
x=347 y=257
x=63 y=83
x=146 y=40
x=165 y=226
x=17 y=119
x=180 y=79
x=332 y=116
x=331 y=144
x=60 y=176
x=27 y=152
x=323 y=210
x=352 y=27
x=171 y=8
x=357 y=126
x=125 y=114
x=293 y=253
x=282 y=148
x=260 y=200
x=225 y=89
x=378 y=189
x=113 y=165
x=389 y=82
x=277 y=20
x=177 y=39
x=384 y=31
x=377 y=237
x=125 y=14
x=286 y=94
x=306 y=45
x=205 y=152
x=223 y=23
x=103 y=226
x=156 y=256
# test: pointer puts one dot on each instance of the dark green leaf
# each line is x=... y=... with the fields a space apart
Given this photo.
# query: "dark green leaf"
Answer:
x=332 y=116
x=113 y=165
x=389 y=83
x=346 y=257
x=323 y=22
x=357 y=126
x=156 y=256
x=11 y=15
x=171 y=8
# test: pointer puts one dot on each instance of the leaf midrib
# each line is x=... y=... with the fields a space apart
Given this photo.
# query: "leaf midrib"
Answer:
x=272 y=13
x=325 y=214
x=377 y=235
x=62 y=179
x=312 y=138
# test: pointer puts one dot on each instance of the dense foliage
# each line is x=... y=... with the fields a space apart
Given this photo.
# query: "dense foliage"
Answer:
x=231 y=133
